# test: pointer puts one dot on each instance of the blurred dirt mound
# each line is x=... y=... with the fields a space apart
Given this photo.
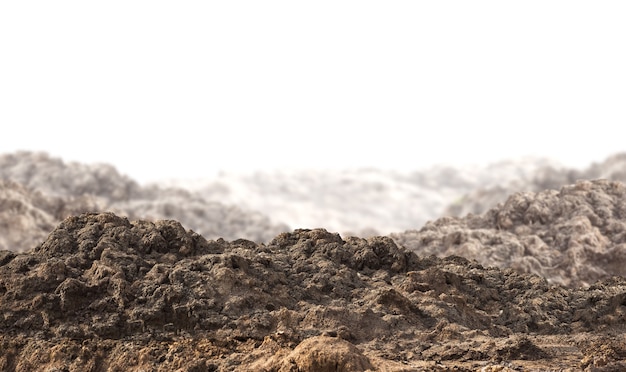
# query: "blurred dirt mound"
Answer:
x=52 y=176
x=351 y=201
x=103 y=293
x=27 y=216
x=210 y=219
x=573 y=237
x=47 y=190
x=483 y=198
x=235 y=206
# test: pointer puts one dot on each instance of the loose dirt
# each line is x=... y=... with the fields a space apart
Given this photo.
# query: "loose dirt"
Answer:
x=103 y=293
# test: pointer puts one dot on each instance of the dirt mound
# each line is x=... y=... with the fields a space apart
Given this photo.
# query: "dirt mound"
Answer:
x=103 y=293
x=318 y=353
x=350 y=200
x=49 y=190
x=547 y=177
x=52 y=176
x=27 y=216
x=574 y=236
x=211 y=219
x=235 y=206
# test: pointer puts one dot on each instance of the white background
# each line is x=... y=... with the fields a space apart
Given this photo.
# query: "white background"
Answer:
x=168 y=89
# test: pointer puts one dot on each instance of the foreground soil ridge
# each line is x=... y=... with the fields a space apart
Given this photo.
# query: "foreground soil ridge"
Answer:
x=103 y=293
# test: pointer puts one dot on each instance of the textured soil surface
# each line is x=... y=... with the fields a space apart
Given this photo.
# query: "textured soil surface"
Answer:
x=104 y=293
x=531 y=280
x=573 y=236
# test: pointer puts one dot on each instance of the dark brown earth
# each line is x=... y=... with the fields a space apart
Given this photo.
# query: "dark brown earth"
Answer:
x=102 y=293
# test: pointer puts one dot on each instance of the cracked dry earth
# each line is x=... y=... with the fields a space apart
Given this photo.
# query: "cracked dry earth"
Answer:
x=102 y=293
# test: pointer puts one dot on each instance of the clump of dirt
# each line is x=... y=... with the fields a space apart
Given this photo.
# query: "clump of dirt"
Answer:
x=573 y=236
x=104 y=293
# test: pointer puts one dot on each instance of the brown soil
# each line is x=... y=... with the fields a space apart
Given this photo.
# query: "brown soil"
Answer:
x=573 y=236
x=38 y=191
x=483 y=198
x=106 y=294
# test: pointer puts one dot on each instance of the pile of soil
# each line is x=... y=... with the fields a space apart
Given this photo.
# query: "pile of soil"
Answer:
x=27 y=216
x=54 y=177
x=573 y=236
x=38 y=191
x=104 y=293
x=547 y=177
x=350 y=201
x=259 y=205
